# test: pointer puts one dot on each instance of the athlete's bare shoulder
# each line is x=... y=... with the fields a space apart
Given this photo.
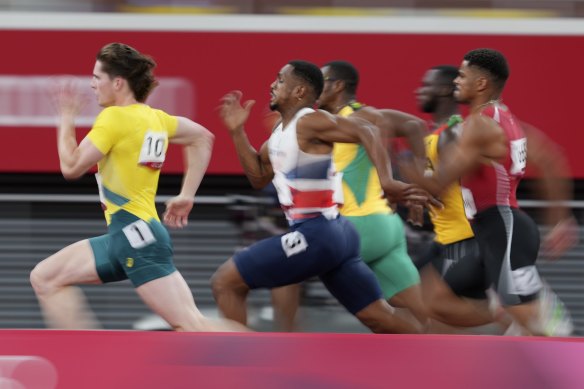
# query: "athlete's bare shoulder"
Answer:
x=370 y=114
x=485 y=135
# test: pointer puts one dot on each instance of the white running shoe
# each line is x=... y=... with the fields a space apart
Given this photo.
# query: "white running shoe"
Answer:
x=554 y=318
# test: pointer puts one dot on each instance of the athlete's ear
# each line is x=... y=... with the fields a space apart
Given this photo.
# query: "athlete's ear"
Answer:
x=299 y=91
x=482 y=83
x=339 y=86
x=118 y=83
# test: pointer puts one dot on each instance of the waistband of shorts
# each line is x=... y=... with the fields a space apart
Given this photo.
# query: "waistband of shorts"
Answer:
x=122 y=218
x=493 y=211
x=317 y=218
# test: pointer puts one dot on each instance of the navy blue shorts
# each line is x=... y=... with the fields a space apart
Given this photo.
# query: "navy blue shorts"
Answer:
x=319 y=247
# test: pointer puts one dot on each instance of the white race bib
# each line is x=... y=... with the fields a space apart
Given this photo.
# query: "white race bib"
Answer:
x=518 y=156
x=470 y=208
x=293 y=243
x=338 y=196
x=139 y=234
x=153 y=150
x=100 y=191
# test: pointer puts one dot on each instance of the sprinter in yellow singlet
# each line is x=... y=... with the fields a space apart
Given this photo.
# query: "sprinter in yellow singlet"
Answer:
x=128 y=141
x=454 y=283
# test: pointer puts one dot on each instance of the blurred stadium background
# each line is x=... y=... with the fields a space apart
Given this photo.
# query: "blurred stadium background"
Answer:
x=481 y=8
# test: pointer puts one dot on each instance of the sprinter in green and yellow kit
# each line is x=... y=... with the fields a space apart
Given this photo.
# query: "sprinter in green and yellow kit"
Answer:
x=382 y=234
x=128 y=141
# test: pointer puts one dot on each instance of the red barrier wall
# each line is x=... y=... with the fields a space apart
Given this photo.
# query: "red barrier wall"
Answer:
x=39 y=359
x=543 y=89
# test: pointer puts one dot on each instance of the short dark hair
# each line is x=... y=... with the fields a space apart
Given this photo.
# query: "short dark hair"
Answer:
x=492 y=61
x=121 y=60
x=446 y=73
x=345 y=71
x=310 y=73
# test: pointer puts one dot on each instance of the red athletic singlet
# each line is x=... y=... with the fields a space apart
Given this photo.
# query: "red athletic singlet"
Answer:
x=496 y=183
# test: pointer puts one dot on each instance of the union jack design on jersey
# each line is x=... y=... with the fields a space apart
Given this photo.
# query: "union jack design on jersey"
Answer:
x=307 y=184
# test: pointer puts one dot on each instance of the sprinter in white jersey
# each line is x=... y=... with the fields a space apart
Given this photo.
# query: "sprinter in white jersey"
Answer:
x=298 y=160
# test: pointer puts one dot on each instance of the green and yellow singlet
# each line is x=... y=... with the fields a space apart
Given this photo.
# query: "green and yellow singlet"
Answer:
x=134 y=140
x=361 y=188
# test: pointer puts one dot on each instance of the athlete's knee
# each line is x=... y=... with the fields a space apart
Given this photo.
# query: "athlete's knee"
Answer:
x=439 y=300
x=410 y=297
x=227 y=280
x=190 y=323
x=40 y=280
x=439 y=312
x=373 y=323
x=376 y=316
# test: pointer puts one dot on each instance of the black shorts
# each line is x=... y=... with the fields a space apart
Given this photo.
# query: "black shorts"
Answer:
x=461 y=268
x=508 y=241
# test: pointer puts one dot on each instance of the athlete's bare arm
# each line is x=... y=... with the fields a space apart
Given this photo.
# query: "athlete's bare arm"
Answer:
x=399 y=124
x=328 y=129
x=197 y=144
x=75 y=159
x=554 y=172
x=555 y=185
x=482 y=141
x=257 y=166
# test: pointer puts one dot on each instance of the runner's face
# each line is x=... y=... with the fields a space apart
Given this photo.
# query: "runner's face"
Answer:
x=427 y=94
x=103 y=86
x=281 y=88
x=466 y=83
x=326 y=97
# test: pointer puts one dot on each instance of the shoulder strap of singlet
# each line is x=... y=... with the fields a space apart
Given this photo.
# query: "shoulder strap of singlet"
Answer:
x=452 y=121
x=355 y=105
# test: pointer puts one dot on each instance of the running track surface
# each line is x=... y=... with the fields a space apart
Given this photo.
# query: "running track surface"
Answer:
x=47 y=359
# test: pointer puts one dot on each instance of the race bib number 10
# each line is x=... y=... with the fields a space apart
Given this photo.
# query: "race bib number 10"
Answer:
x=153 y=150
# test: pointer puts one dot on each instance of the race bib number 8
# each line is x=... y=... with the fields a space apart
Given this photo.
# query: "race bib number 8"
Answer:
x=139 y=234
x=153 y=150
x=518 y=156
x=294 y=243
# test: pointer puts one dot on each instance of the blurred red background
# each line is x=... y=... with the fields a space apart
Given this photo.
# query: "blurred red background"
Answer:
x=544 y=87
